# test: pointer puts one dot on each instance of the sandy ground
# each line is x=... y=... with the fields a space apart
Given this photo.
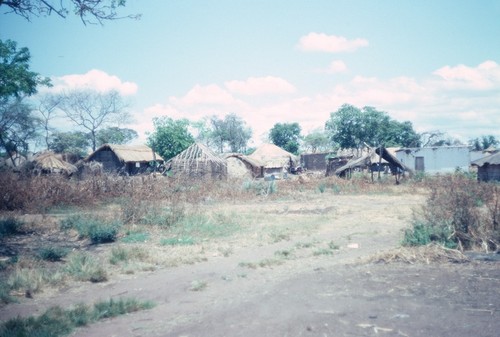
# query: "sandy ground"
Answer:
x=295 y=285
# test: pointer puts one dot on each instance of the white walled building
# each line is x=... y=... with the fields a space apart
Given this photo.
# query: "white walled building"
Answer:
x=439 y=159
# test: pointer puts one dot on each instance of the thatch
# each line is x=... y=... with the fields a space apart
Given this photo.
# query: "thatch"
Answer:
x=198 y=161
x=432 y=253
x=50 y=163
x=253 y=166
x=273 y=156
x=129 y=153
x=493 y=159
x=373 y=157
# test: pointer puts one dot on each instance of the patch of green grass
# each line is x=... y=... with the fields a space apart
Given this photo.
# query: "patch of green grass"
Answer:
x=56 y=322
x=333 y=246
x=97 y=230
x=177 y=241
x=32 y=280
x=198 y=285
x=136 y=237
x=84 y=267
x=422 y=234
x=206 y=226
x=10 y=226
x=52 y=254
x=118 y=254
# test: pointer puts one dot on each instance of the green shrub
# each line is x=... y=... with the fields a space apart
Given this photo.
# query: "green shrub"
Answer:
x=9 y=226
x=52 y=253
x=96 y=229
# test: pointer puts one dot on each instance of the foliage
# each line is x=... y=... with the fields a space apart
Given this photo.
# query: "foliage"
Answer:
x=17 y=123
x=115 y=135
x=57 y=322
x=93 y=110
x=351 y=127
x=84 y=267
x=52 y=253
x=9 y=226
x=96 y=229
x=483 y=142
x=437 y=138
x=89 y=11
x=317 y=141
x=229 y=133
x=170 y=136
x=286 y=136
x=458 y=212
x=73 y=142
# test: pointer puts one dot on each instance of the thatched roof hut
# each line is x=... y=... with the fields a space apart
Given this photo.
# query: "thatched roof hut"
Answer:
x=241 y=166
x=274 y=158
x=127 y=159
x=49 y=162
x=488 y=168
x=198 y=161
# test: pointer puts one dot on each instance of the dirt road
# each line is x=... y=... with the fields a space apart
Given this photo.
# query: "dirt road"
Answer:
x=311 y=283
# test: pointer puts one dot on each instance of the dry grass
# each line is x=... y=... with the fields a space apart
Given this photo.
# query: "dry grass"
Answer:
x=432 y=253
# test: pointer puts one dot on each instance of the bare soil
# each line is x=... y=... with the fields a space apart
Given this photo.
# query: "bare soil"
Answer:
x=298 y=268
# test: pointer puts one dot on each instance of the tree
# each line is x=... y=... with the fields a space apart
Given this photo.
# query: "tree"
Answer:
x=47 y=109
x=286 y=136
x=437 y=138
x=350 y=127
x=18 y=125
x=317 y=140
x=74 y=142
x=115 y=135
x=170 y=136
x=89 y=11
x=92 y=110
x=229 y=133
x=483 y=142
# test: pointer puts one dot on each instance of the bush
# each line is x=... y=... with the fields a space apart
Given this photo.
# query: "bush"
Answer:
x=97 y=230
x=458 y=212
x=52 y=254
x=9 y=226
x=83 y=267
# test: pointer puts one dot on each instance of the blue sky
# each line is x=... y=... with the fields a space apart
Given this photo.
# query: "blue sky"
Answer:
x=434 y=63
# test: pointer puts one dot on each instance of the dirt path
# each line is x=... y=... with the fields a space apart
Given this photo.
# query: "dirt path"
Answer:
x=306 y=292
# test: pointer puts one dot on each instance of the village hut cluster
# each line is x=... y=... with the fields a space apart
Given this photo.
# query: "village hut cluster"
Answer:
x=268 y=161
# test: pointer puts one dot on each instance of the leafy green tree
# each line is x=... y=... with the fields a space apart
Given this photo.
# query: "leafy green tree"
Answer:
x=228 y=134
x=170 y=136
x=351 y=127
x=115 y=135
x=483 y=142
x=93 y=110
x=18 y=125
x=316 y=141
x=73 y=142
x=89 y=11
x=286 y=136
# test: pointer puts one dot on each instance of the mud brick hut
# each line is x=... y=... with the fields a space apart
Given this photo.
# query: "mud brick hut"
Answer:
x=198 y=161
x=488 y=168
x=125 y=159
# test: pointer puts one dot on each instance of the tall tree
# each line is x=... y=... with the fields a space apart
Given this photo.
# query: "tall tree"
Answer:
x=317 y=140
x=230 y=133
x=93 y=110
x=483 y=142
x=115 y=135
x=350 y=127
x=170 y=136
x=47 y=109
x=89 y=11
x=286 y=136
x=73 y=142
x=18 y=125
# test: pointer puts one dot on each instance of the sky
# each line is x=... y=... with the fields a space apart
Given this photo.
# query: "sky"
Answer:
x=433 y=63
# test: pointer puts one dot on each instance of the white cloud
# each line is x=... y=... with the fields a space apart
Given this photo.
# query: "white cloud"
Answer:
x=337 y=66
x=485 y=76
x=320 y=42
x=95 y=80
x=260 y=86
x=204 y=95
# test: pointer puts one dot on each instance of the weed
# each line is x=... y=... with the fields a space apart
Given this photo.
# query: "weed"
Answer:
x=9 y=226
x=52 y=253
x=97 y=230
x=322 y=187
x=57 y=322
x=198 y=285
x=135 y=237
x=83 y=267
